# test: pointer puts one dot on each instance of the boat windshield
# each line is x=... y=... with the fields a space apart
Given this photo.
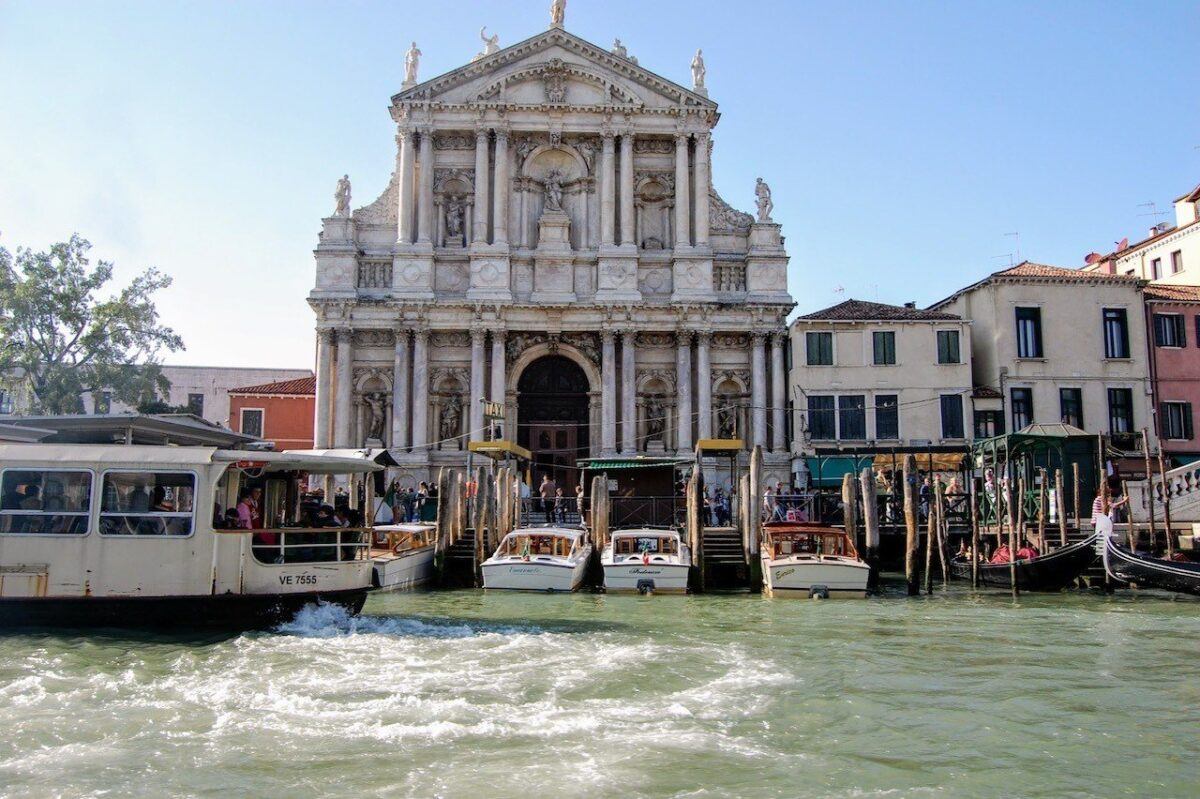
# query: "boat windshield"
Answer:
x=657 y=544
x=811 y=543
x=534 y=544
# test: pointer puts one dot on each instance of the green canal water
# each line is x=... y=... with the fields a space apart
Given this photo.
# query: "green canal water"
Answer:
x=462 y=694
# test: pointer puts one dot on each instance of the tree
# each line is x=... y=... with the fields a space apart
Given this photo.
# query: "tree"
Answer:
x=65 y=341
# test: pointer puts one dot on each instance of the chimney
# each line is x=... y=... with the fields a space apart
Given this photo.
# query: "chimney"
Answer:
x=910 y=305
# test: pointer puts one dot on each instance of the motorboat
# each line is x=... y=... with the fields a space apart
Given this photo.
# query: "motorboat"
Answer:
x=1143 y=569
x=1052 y=571
x=402 y=555
x=142 y=535
x=539 y=559
x=646 y=560
x=811 y=560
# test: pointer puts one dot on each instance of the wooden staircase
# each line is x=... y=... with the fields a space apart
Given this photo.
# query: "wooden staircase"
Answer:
x=725 y=565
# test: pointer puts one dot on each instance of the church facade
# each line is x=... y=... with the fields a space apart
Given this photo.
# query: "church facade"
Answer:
x=550 y=239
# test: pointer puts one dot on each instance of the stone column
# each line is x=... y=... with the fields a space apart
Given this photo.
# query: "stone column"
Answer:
x=420 y=393
x=400 y=370
x=324 y=384
x=502 y=189
x=628 y=392
x=758 y=390
x=702 y=184
x=682 y=206
x=703 y=384
x=498 y=366
x=345 y=388
x=475 y=414
x=608 y=396
x=480 y=233
x=683 y=389
x=405 y=195
x=425 y=201
x=607 y=186
x=627 y=187
x=778 y=394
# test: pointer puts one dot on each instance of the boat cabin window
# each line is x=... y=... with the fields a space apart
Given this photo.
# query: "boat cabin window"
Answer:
x=534 y=545
x=811 y=544
x=666 y=545
x=45 y=502
x=147 y=503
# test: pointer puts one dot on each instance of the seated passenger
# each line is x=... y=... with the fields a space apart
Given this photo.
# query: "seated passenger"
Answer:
x=1027 y=551
x=1001 y=555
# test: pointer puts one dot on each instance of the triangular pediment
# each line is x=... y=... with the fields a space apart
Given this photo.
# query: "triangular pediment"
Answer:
x=558 y=68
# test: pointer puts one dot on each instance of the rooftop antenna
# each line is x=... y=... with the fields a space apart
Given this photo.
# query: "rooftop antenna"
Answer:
x=1153 y=209
x=1016 y=235
x=1007 y=255
x=840 y=291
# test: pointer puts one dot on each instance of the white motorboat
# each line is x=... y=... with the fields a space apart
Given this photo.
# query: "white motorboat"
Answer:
x=402 y=557
x=811 y=560
x=539 y=559
x=133 y=535
x=646 y=559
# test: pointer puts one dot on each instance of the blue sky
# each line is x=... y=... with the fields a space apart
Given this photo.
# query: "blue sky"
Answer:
x=902 y=141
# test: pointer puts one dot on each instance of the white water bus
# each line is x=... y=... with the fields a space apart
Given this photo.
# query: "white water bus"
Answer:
x=811 y=560
x=132 y=535
x=402 y=555
x=539 y=559
x=646 y=560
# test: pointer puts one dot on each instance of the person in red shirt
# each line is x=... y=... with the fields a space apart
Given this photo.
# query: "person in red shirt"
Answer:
x=1001 y=555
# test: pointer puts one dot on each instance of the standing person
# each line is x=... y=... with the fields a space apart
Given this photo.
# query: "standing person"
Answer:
x=769 y=503
x=926 y=496
x=781 y=503
x=560 y=507
x=249 y=510
x=546 y=492
x=579 y=501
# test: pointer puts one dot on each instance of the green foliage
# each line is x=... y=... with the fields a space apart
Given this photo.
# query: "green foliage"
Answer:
x=65 y=340
x=157 y=406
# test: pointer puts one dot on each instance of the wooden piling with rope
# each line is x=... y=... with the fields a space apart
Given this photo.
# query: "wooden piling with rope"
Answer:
x=1166 y=499
x=910 y=525
x=870 y=526
x=1149 y=493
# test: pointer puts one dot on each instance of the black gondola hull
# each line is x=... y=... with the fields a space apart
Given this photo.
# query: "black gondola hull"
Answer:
x=1150 y=572
x=222 y=611
x=1053 y=571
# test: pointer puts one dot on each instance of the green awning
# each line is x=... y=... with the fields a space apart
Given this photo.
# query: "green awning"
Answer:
x=826 y=472
x=615 y=464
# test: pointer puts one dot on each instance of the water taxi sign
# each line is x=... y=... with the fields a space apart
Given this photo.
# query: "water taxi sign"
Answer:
x=493 y=410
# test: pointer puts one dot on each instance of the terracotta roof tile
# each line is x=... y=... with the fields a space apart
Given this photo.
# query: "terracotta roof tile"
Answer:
x=298 y=386
x=986 y=392
x=1170 y=292
x=1030 y=269
x=861 y=310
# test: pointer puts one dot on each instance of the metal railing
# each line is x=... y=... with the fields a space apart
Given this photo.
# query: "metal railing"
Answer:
x=307 y=544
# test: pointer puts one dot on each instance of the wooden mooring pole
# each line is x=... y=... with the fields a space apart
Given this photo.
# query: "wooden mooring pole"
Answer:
x=943 y=534
x=1041 y=510
x=911 y=477
x=930 y=535
x=975 y=553
x=1166 y=495
x=1012 y=533
x=1060 y=503
x=1075 y=495
x=1148 y=493
x=870 y=525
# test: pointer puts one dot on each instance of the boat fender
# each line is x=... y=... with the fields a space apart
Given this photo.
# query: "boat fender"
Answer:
x=818 y=592
x=645 y=586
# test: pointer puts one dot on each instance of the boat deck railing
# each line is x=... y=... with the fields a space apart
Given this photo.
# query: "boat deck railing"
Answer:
x=308 y=544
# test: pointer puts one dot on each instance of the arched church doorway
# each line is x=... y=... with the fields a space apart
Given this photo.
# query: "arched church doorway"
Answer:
x=552 y=419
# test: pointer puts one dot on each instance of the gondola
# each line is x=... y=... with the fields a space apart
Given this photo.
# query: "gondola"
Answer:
x=1147 y=571
x=1050 y=572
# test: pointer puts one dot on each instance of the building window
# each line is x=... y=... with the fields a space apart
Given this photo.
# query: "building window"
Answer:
x=1022 y=408
x=1070 y=405
x=887 y=417
x=1156 y=269
x=884 y=344
x=1116 y=333
x=820 y=348
x=852 y=417
x=1120 y=410
x=101 y=402
x=1176 y=262
x=1029 y=332
x=1169 y=330
x=6 y=400
x=821 y=419
x=989 y=424
x=195 y=404
x=952 y=416
x=947 y=344
x=1176 y=420
x=252 y=422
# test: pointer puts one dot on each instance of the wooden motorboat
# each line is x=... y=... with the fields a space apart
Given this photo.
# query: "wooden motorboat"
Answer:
x=403 y=555
x=1052 y=571
x=646 y=560
x=811 y=560
x=1143 y=569
x=539 y=559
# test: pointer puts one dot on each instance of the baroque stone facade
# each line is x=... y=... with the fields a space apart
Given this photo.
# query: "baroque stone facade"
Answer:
x=551 y=210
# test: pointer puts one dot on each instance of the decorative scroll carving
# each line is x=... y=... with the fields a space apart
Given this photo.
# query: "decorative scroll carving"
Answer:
x=364 y=374
x=646 y=376
x=452 y=374
x=724 y=218
x=655 y=340
x=385 y=208
x=554 y=78
x=660 y=146
x=453 y=141
x=372 y=338
x=739 y=376
x=737 y=341
x=443 y=176
x=664 y=176
x=519 y=341
x=450 y=338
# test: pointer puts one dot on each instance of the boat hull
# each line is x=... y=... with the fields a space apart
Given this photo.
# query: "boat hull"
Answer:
x=1050 y=572
x=806 y=579
x=221 y=611
x=533 y=575
x=641 y=577
x=403 y=571
x=1130 y=567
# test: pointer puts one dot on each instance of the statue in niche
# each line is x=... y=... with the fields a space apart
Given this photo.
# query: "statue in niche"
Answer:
x=762 y=193
x=553 y=183
x=451 y=416
x=454 y=220
x=341 y=196
x=656 y=419
x=699 y=71
x=726 y=420
x=491 y=44
x=374 y=402
x=586 y=152
x=412 y=60
x=558 y=12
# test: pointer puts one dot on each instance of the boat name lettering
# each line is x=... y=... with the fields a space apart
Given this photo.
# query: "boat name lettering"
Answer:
x=783 y=573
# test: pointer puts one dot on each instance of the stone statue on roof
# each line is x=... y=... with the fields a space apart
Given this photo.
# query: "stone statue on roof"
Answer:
x=762 y=193
x=412 y=61
x=341 y=196
x=699 y=71
x=490 y=43
x=558 y=11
